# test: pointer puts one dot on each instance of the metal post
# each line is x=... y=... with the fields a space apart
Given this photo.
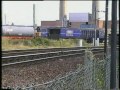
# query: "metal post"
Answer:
x=34 y=17
x=5 y=19
x=95 y=28
x=113 y=46
x=80 y=43
x=106 y=22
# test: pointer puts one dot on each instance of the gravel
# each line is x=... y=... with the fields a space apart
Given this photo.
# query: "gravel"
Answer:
x=38 y=72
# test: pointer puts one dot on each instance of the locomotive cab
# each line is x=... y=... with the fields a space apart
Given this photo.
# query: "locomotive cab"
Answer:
x=54 y=33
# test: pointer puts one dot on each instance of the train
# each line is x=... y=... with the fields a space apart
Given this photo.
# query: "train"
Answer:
x=51 y=32
x=17 y=31
x=66 y=33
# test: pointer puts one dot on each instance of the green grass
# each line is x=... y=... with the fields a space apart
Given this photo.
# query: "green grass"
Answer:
x=12 y=44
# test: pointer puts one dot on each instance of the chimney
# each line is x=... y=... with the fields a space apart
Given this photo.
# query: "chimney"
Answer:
x=95 y=10
x=62 y=10
x=62 y=13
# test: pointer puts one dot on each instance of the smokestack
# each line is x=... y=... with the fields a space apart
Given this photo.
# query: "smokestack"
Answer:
x=62 y=10
x=62 y=13
x=95 y=10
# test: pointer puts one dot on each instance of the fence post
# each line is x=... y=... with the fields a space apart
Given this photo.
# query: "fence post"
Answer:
x=107 y=72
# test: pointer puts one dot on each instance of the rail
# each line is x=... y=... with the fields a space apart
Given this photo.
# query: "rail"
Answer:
x=19 y=59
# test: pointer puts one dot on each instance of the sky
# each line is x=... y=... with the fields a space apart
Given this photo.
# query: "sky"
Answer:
x=21 y=12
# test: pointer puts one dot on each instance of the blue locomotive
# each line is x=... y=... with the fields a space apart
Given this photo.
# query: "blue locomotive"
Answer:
x=60 y=32
x=63 y=32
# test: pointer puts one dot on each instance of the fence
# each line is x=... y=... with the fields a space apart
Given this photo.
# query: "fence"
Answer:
x=94 y=74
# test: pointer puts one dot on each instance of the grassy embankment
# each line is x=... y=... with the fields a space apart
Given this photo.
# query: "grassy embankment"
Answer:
x=11 y=44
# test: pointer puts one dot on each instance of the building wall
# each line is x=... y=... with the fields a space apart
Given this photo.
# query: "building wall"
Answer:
x=51 y=24
x=110 y=23
x=80 y=17
x=76 y=24
x=100 y=23
x=109 y=26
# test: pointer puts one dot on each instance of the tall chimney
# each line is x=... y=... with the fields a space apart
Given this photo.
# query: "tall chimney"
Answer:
x=62 y=13
x=95 y=10
x=62 y=10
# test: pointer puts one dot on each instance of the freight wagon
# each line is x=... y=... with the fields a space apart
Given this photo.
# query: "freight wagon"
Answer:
x=17 y=31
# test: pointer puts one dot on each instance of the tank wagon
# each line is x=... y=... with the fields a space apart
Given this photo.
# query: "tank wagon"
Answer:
x=17 y=31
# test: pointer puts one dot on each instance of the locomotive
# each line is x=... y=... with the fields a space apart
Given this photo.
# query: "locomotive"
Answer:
x=66 y=33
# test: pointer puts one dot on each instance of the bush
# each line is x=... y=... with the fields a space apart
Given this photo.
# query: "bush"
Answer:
x=40 y=41
x=27 y=43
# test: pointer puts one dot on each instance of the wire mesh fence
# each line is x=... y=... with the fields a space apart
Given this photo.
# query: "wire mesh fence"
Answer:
x=94 y=74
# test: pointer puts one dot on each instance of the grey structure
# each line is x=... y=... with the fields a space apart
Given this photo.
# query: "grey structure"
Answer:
x=62 y=10
x=17 y=31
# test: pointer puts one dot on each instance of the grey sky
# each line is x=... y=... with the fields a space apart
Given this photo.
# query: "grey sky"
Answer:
x=21 y=12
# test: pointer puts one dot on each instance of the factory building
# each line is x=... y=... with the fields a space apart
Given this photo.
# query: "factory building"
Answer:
x=51 y=23
x=62 y=22
x=109 y=26
x=75 y=19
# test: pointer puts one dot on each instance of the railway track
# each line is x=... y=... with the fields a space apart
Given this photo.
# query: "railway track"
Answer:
x=21 y=72
x=37 y=56
x=30 y=51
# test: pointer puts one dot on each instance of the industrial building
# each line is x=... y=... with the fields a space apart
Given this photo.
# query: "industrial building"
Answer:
x=75 y=19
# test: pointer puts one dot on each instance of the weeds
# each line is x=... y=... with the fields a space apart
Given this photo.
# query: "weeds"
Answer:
x=11 y=44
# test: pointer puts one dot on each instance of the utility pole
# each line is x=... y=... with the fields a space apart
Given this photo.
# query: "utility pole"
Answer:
x=5 y=19
x=106 y=25
x=34 y=26
x=34 y=16
x=113 y=46
x=95 y=25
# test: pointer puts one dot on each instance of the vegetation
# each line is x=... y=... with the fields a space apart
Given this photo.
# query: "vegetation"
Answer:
x=11 y=44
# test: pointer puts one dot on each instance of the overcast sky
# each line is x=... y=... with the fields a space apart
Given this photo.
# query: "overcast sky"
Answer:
x=21 y=12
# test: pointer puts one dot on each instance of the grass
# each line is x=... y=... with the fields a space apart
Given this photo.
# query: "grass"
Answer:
x=9 y=44
x=12 y=44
